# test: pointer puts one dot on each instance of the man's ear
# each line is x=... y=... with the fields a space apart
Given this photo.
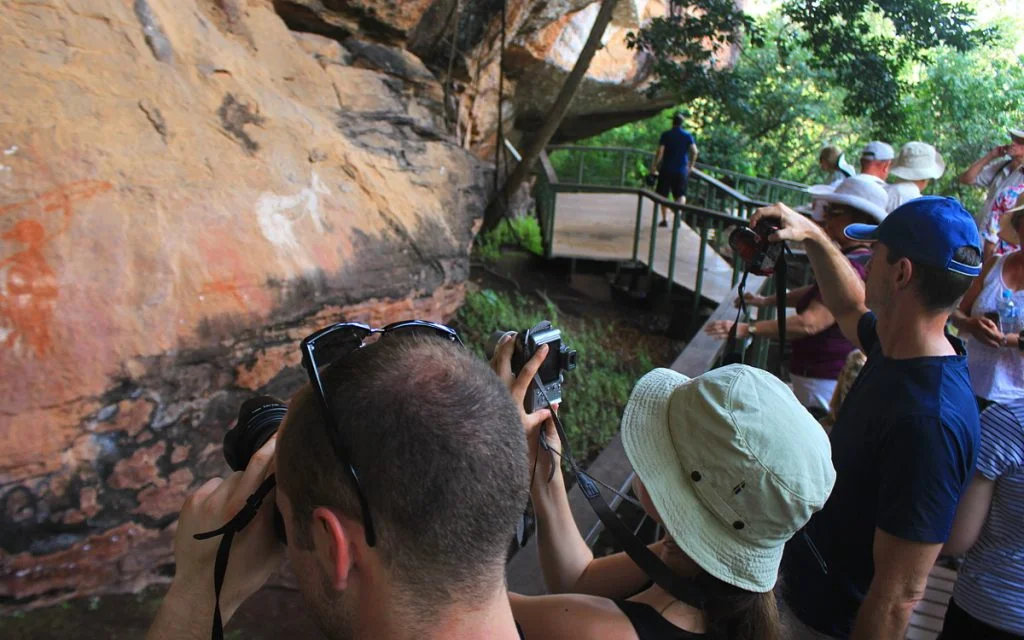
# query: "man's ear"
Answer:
x=904 y=273
x=332 y=543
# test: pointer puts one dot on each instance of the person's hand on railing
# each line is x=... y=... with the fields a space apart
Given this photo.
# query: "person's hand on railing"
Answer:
x=540 y=419
x=721 y=329
x=754 y=300
x=793 y=226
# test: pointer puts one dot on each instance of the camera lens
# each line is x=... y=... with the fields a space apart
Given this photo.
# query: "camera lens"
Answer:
x=258 y=419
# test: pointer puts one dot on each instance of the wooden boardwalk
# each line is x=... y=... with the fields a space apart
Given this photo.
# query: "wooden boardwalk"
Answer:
x=600 y=226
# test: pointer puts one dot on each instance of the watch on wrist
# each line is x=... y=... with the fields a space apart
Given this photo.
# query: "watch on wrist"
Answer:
x=752 y=329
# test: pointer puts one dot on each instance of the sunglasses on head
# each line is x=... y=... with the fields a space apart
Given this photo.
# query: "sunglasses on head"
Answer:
x=327 y=346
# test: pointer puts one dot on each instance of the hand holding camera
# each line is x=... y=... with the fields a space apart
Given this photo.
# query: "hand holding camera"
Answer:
x=259 y=553
x=787 y=225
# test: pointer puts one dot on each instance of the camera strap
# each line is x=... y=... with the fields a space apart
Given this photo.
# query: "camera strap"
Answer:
x=228 y=531
x=732 y=354
x=682 y=589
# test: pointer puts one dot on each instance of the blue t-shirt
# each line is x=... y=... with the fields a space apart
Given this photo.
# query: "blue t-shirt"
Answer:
x=677 y=150
x=990 y=584
x=903 y=448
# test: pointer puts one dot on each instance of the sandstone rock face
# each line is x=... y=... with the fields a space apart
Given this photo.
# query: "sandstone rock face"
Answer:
x=189 y=187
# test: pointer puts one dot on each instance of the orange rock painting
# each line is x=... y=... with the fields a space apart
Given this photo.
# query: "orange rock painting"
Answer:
x=28 y=285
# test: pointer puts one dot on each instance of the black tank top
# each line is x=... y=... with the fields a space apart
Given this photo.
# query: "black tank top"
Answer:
x=649 y=625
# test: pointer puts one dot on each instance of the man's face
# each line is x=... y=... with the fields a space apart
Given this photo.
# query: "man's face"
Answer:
x=1016 y=148
x=878 y=288
x=326 y=604
x=837 y=218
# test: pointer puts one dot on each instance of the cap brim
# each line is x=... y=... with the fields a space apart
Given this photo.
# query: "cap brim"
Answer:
x=650 y=448
x=862 y=232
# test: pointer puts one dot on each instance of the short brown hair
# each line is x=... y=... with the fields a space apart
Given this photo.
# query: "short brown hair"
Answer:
x=941 y=289
x=441 y=456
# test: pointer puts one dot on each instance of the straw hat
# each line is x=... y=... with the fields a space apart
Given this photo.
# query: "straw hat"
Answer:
x=1007 y=229
x=732 y=463
x=861 y=192
x=918 y=161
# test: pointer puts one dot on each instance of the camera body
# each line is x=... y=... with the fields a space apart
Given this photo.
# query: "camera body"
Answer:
x=651 y=179
x=259 y=418
x=752 y=244
x=560 y=359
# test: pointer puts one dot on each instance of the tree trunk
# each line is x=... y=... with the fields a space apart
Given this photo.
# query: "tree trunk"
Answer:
x=553 y=118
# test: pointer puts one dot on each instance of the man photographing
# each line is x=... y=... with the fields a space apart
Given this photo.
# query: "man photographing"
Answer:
x=904 y=444
x=440 y=458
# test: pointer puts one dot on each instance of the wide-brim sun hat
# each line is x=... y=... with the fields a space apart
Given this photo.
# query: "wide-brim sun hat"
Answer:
x=732 y=462
x=1016 y=133
x=860 y=192
x=1007 y=229
x=918 y=161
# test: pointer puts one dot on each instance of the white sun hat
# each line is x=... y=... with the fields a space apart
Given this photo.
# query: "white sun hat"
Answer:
x=1017 y=133
x=732 y=462
x=918 y=161
x=861 y=192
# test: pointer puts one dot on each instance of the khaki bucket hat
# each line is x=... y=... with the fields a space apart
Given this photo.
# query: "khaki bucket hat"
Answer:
x=732 y=463
x=918 y=161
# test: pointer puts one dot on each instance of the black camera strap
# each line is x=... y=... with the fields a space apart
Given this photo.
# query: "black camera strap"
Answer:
x=732 y=354
x=228 y=531
x=682 y=589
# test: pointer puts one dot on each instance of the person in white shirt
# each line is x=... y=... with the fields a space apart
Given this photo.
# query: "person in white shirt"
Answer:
x=875 y=160
x=916 y=164
x=998 y=169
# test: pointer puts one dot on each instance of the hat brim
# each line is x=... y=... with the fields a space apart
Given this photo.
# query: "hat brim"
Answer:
x=650 y=448
x=862 y=232
x=1007 y=231
x=918 y=173
x=1016 y=133
x=863 y=205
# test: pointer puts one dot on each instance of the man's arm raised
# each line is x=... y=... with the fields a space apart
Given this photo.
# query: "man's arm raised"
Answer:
x=842 y=290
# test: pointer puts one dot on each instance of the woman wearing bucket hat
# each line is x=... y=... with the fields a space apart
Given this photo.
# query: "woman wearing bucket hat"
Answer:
x=819 y=347
x=729 y=464
x=995 y=357
x=916 y=164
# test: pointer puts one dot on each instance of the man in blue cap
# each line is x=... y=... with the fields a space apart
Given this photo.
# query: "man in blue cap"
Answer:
x=905 y=440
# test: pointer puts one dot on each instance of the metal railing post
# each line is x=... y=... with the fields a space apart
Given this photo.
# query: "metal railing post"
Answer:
x=622 y=170
x=579 y=175
x=672 y=251
x=699 y=284
x=654 y=237
x=636 y=231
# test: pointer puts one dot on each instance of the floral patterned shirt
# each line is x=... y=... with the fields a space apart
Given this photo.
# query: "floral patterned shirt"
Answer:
x=1004 y=201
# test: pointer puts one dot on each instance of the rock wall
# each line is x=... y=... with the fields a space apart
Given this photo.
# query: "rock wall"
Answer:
x=188 y=188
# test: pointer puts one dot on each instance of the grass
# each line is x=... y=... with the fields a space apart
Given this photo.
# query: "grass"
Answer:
x=596 y=392
x=521 y=232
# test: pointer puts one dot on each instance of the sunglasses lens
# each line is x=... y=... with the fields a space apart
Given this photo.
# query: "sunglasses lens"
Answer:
x=422 y=330
x=338 y=344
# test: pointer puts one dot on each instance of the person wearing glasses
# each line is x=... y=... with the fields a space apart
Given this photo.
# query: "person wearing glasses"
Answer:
x=402 y=472
x=819 y=347
x=728 y=463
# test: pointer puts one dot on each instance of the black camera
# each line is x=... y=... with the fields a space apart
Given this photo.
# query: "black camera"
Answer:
x=651 y=179
x=759 y=254
x=560 y=359
x=258 y=419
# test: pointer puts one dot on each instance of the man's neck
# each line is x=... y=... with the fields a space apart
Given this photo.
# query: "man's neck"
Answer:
x=482 y=619
x=907 y=332
x=1015 y=163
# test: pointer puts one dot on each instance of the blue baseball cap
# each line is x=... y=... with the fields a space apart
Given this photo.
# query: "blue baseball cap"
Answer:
x=928 y=230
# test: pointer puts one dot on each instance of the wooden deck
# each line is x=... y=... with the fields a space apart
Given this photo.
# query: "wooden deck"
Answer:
x=600 y=226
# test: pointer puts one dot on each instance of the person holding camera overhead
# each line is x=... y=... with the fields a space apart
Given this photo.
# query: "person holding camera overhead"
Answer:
x=819 y=347
x=728 y=463
x=402 y=472
x=905 y=441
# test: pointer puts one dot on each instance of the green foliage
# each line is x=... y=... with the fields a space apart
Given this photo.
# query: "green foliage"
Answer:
x=596 y=392
x=522 y=231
